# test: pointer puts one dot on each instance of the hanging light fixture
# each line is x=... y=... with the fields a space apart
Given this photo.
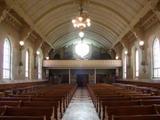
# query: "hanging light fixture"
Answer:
x=82 y=49
x=81 y=34
x=82 y=21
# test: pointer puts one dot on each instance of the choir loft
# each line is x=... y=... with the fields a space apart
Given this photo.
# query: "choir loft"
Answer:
x=80 y=59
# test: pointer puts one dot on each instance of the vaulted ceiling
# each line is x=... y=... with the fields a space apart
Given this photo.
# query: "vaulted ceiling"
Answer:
x=110 y=19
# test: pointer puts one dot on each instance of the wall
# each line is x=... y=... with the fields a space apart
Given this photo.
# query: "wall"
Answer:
x=14 y=33
x=148 y=34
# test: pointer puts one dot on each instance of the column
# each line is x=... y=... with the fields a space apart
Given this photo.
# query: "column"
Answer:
x=95 y=72
x=117 y=72
x=69 y=75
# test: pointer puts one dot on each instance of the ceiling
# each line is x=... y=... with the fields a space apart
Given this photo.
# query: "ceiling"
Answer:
x=110 y=19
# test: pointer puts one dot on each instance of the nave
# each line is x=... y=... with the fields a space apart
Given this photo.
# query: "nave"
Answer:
x=116 y=101
x=81 y=107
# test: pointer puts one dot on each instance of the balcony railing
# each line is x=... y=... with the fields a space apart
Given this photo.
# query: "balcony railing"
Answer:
x=85 y=64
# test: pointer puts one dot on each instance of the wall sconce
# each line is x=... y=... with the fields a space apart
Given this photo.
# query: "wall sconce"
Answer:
x=47 y=58
x=143 y=63
x=37 y=52
x=125 y=52
x=117 y=57
x=141 y=44
x=21 y=43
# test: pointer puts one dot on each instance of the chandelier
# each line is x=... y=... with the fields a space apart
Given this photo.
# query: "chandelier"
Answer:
x=82 y=21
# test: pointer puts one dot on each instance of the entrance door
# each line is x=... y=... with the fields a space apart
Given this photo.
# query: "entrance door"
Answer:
x=82 y=80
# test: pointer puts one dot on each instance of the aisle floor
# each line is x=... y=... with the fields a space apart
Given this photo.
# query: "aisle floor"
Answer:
x=81 y=107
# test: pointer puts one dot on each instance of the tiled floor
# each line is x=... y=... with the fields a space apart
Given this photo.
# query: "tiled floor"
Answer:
x=81 y=107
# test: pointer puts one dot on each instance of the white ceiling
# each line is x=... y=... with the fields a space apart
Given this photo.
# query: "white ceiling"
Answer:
x=110 y=19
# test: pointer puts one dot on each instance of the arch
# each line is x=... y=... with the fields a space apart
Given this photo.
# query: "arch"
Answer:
x=7 y=59
x=106 y=27
x=43 y=16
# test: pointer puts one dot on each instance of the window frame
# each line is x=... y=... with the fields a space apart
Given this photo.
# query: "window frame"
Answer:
x=137 y=60
x=8 y=41
x=27 y=64
x=153 y=58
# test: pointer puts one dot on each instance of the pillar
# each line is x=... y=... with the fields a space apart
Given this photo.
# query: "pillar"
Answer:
x=117 y=72
x=95 y=72
x=69 y=75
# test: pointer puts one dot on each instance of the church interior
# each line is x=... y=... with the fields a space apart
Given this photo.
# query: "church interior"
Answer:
x=80 y=59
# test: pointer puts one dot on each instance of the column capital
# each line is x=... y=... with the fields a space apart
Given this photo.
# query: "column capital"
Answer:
x=4 y=14
x=138 y=32
x=25 y=33
x=155 y=5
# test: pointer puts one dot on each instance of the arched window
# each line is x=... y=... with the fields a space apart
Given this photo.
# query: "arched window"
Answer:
x=7 y=59
x=27 y=64
x=137 y=63
x=124 y=65
x=156 y=58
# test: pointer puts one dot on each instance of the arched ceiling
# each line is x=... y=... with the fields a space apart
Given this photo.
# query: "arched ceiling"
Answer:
x=110 y=19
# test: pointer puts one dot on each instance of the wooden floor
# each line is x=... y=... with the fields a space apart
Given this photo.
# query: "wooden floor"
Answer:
x=81 y=107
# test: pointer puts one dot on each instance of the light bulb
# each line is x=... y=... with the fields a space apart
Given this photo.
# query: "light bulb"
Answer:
x=126 y=52
x=80 y=19
x=117 y=57
x=81 y=34
x=141 y=43
x=88 y=20
x=84 y=25
x=21 y=43
x=75 y=25
x=89 y=24
x=73 y=21
x=38 y=52
x=47 y=58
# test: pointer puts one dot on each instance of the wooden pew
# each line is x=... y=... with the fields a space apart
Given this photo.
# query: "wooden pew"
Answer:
x=56 y=96
x=10 y=103
x=130 y=110
x=22 y=118
x=137 y=117
x=28 y=111
x=106 y=104
x=106 y=96
x=52 y=104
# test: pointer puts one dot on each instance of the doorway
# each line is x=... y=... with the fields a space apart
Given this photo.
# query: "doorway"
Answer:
x=82 y=80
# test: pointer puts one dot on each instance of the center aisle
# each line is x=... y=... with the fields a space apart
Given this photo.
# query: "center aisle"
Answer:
x=81 y=107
